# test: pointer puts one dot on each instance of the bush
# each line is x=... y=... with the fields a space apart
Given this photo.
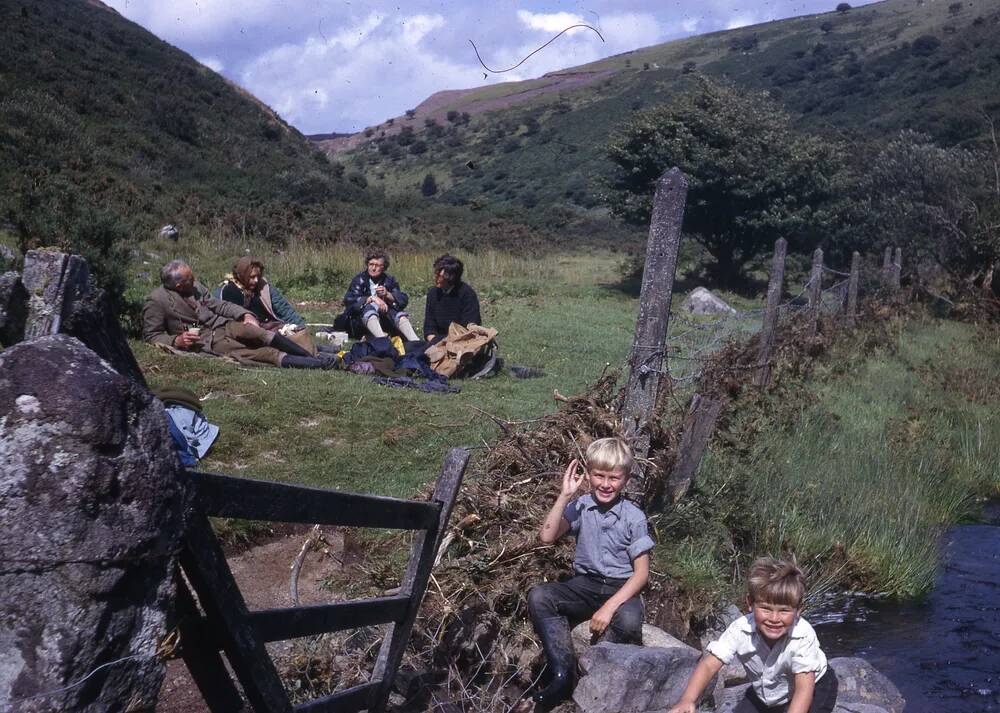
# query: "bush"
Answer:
x=843 y=7
x=429 y=186
x=925 y=45
x=452 y=115
x=418 y=147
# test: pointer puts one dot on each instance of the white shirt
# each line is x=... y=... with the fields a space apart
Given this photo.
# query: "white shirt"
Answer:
x=771 y=670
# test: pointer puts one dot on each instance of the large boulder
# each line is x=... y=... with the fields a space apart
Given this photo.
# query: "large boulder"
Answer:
x=651 y=636
x=92 y=513
x=701 y=301
x=860 y=689
x=620 y=678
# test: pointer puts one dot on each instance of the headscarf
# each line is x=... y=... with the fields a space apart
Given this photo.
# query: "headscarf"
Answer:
x=241 y=276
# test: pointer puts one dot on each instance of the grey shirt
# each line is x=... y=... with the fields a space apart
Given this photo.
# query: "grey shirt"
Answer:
x=607 y=542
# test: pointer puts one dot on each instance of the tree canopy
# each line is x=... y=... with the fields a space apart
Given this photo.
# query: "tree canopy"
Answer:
x=752 y=178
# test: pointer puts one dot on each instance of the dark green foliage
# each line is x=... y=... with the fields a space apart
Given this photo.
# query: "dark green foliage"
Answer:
x=418 y=147
x=925 y=45
x=843 y=7
x=752 y=178
x=429 y=186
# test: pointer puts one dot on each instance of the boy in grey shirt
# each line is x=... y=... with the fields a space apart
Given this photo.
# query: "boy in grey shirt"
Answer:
x=611 y=564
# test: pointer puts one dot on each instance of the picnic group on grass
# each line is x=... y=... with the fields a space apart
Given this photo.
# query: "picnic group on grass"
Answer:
x=250 y=320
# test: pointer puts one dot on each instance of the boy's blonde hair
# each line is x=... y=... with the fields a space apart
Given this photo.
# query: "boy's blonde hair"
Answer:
x=776 y=582
x=610 y=454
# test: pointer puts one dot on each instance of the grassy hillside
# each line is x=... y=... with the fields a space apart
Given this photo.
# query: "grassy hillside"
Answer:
x=869 y=72
x=102 y=121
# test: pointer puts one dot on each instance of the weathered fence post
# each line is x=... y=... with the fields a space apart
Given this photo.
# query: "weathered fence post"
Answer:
x=698 y=428
x=852 y=290
x=815 y=291
x=897 y=270
x=887 y=264
x=646 y=361
x=774 y=290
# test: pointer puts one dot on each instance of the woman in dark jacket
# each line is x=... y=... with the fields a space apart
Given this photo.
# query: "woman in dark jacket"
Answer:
x=374 y=302
x=450 y=300
x=248 y=288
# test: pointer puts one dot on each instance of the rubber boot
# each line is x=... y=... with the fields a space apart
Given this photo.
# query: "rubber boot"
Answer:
x=288 y=346
x=291 y=361
x=558 y=647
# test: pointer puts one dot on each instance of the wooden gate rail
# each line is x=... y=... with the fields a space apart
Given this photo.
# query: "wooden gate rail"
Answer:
x=229 y=625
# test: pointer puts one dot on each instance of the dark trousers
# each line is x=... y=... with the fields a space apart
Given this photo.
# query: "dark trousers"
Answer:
x=576 y=600
x=824 y=698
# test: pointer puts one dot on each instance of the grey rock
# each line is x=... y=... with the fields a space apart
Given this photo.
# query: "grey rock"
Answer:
x=861 y=689
x=92 y=511
x=651 y=636
x=701 y=301
x=170 y=231
x=620 y=678
x=732 y=673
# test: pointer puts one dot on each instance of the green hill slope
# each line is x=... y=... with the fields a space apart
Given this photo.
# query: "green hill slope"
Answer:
x=100 y=121
x=871 y=71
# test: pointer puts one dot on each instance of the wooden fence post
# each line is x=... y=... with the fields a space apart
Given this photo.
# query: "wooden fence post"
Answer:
x=774 y=291
x=647 y=359
x=897 y=270
x=815 y=291
x=699 y=425
x=852 y=290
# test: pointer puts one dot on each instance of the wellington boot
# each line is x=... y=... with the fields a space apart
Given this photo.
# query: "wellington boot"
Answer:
x=559 y=657
x=290 y=361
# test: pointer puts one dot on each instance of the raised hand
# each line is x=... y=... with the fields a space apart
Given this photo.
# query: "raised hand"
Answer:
x=572 y=479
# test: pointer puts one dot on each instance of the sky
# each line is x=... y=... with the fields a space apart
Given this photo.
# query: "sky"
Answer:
x=341 y=65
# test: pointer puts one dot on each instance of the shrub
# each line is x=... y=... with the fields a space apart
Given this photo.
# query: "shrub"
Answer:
x=418 y=147
x=429 y=186
x=955 y=8
x=452 y=115
x=925 y=45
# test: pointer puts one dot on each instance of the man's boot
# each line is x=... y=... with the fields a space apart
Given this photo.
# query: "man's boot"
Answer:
x=286 y=345
x=558 y=648
x=290 y=361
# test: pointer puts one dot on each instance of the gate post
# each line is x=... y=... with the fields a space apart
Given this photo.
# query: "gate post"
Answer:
x=647 y=358
x=774 y=288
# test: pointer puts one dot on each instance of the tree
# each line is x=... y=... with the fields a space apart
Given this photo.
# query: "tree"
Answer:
x=752 y=179
x=941 y=205
x=429 y=187
x=843 y=7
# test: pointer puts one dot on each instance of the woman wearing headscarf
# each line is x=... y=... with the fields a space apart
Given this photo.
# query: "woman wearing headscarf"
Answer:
x=248 y=288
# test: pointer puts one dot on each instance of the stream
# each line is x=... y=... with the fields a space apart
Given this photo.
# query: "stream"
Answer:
x=943 y=653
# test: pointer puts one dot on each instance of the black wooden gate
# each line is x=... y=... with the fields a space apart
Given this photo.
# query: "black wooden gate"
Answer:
x=228 y=625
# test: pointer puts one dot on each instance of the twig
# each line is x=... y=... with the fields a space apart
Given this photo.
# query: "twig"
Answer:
x=293 y=584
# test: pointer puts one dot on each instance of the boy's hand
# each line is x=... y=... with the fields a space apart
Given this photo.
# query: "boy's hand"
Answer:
x=601 y=620
x=572 y=479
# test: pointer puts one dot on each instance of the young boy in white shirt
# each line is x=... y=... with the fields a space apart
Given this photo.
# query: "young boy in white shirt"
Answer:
x=786 y=668
x=611 y=564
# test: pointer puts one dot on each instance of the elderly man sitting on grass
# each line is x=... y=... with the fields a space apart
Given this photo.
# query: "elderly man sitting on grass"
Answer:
x=183 y=315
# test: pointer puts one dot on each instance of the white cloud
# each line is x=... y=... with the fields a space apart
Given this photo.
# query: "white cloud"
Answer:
x=690 y=24
x=198 y=20
x=373 y=69
x=549 y=22
x=741 y=20
x=213 y=63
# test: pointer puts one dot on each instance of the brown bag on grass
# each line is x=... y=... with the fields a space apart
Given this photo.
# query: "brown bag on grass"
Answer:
x=460 y=348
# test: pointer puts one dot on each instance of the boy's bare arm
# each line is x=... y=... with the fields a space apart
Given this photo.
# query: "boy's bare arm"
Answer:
x=555 y=525
x=633 y=585
x=802 y=695
x=700 y=677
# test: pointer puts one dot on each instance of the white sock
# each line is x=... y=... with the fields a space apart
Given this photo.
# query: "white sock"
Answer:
x=374 y=327
x=407 y=329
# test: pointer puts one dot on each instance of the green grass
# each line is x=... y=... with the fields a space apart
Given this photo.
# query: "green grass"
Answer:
x=858 y=472
x=337 y=430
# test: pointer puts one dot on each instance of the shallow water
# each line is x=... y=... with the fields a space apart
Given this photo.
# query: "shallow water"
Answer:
x=943 y=653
